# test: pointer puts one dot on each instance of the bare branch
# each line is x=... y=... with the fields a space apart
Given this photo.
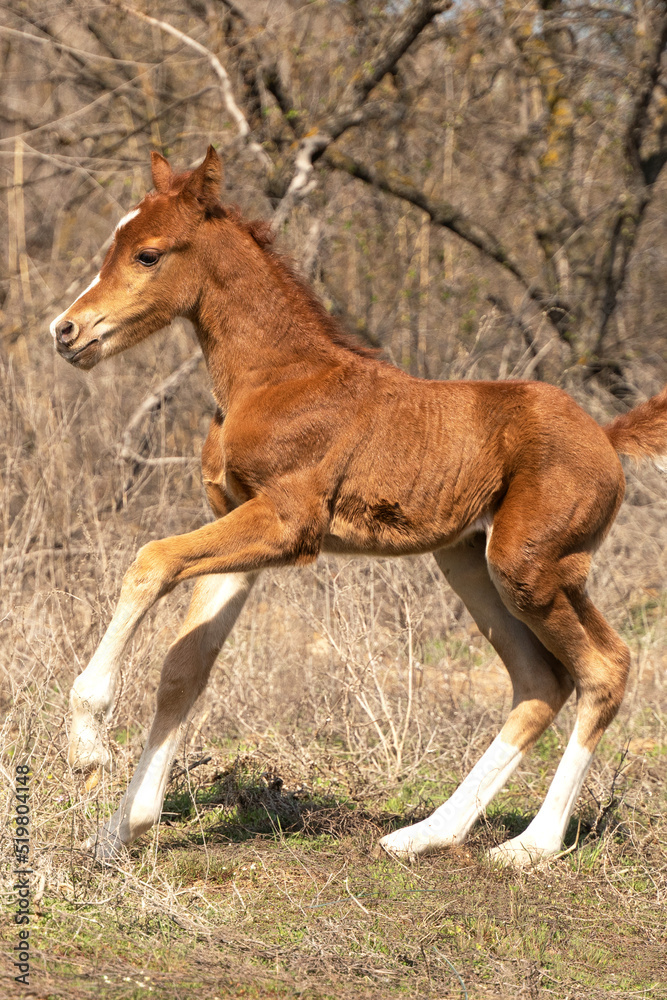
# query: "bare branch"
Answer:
x=126 y=454
x=106 y=97
x=632 y=203
x=61 y=47
x=394 y=43
x=349 y=108
x=154 y=401
x=149 y=406
x=444 y=214
x=219 y=70
x=639 y=120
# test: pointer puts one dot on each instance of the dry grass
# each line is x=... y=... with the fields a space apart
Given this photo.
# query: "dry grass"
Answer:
x=351 y=697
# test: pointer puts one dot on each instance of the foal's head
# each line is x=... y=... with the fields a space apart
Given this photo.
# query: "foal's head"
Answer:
x=150 y=273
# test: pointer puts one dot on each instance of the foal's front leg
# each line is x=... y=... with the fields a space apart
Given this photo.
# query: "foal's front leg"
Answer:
x=92 y=694
x=236 y=547
x=215 y=605
x=250 y=537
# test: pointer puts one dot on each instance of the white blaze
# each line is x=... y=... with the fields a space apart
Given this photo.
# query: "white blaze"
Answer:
x=54 y=324
x=127 y=218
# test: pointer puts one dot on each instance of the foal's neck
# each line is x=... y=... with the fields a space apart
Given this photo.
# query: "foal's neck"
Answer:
x=256 y=324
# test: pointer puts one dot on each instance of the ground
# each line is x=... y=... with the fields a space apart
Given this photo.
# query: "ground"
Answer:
x=265 y=880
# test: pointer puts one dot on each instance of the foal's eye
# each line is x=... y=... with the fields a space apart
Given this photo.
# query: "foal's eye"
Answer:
x=148 y=257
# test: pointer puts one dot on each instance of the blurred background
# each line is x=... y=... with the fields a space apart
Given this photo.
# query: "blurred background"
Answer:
x=491 y=202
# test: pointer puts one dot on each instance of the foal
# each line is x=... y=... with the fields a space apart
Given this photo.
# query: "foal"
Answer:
x=317 y=446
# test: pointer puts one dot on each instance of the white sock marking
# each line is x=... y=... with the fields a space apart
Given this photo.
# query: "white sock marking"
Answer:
x=473 y=795
x=141 y=805
x=216 y=603
x=451 y=821
x=545 y=833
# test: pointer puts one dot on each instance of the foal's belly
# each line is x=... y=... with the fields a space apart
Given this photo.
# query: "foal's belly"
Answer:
x=400 y=507
x=379 y=538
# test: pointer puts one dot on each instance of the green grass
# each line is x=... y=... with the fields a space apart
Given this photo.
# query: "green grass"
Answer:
x=258 y=890
x=274 y=914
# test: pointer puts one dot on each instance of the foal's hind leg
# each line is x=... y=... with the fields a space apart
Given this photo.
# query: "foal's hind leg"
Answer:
x=558 y=611
x=215 y=605
x=540 y=687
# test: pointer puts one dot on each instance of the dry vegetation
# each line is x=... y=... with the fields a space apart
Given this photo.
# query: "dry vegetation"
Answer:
x=352 y=696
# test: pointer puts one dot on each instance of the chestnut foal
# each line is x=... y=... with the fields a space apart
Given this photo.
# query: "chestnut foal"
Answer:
x=324 y=448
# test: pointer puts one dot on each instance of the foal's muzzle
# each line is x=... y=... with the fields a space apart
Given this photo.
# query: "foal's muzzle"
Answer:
x=66 y=332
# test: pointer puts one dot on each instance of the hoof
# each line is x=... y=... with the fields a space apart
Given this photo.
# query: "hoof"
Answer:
x=87 y=751
x=411 y=841
x=397 y=848
x=104 y=845
x=521 y=853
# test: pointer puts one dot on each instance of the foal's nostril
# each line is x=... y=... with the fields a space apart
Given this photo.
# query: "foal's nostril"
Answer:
x=67 y=331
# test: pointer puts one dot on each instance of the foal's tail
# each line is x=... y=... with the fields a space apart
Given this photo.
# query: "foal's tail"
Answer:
x=641 y=433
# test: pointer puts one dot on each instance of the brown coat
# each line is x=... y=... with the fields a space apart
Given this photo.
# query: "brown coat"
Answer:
x=323 y=447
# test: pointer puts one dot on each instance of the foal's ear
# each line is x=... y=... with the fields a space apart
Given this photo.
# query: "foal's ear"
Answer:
x=161 y=172
x=204 y=182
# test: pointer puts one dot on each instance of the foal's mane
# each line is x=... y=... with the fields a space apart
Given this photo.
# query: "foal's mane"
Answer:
x=263 y=235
